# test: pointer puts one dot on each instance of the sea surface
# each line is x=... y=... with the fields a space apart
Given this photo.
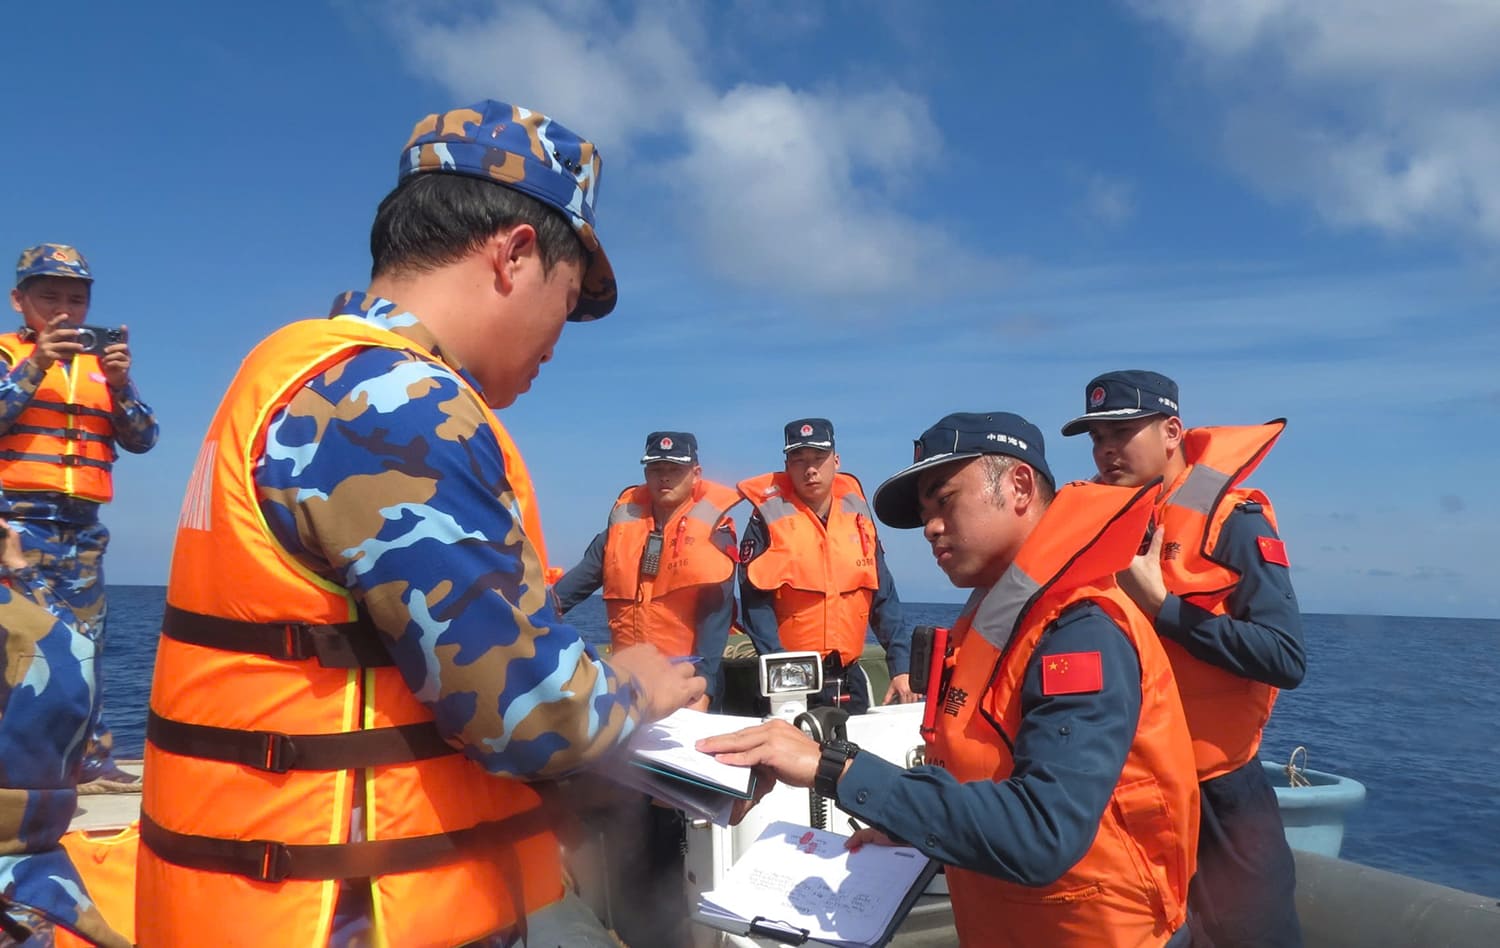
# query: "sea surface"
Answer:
x=1410 y=707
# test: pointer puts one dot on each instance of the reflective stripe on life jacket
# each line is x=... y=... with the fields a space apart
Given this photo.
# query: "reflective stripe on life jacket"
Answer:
x=257 y=848
x=1226 y=712
x=64 y=439
x=664 y=609
x=823 y=576
x=1130 y=889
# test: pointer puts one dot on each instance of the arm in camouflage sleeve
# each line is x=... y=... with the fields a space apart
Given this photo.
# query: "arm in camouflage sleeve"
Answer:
x=382 y=477
x=17 y=388
x=135 y=424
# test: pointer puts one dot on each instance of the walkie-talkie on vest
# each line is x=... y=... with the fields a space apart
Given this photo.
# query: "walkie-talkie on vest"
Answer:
x=651 y=555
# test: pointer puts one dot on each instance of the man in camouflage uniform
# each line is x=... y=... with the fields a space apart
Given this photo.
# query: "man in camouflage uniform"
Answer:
x=48 y=701
x=59 y=523
x=381 y=477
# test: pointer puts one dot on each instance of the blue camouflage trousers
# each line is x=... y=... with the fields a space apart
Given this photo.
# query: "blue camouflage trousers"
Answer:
x=71 y=559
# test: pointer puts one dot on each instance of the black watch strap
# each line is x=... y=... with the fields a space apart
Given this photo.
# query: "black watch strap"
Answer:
x=835 y=754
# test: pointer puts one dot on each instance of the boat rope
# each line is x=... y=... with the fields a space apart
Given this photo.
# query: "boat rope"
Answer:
x=1295 y=775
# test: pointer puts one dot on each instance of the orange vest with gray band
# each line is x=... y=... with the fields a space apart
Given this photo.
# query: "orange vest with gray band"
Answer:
x=64 y=439
x=823 y=576
x=1130 y=888
x=1225 y=711
x=696 y=558
x=277 y=720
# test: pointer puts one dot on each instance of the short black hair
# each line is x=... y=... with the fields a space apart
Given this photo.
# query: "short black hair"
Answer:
x=434 y=219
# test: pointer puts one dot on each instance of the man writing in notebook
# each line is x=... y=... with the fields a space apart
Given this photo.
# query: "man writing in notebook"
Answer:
x=1059 y=789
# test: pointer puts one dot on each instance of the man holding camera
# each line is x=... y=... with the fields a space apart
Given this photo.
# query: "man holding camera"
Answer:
x=814 y=574
x=66 y=403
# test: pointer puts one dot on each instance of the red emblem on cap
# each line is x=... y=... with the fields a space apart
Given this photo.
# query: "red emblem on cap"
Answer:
x=1096 y=397
x=806 y=430
x=666 y=443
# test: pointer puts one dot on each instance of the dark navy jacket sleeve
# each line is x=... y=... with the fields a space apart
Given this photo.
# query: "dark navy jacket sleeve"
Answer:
x=887 y=621
x=584 y=579
x=757 y=605
x=1069 y=752
x=1260 y=636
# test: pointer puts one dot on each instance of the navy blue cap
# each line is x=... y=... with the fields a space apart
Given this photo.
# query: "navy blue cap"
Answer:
x=809 y=433
x=1123 y=395
x=679 y=447
x=958 y=437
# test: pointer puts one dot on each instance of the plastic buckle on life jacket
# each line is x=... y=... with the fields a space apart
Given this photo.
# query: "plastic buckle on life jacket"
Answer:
x=70 y=460
x=280 y=754
x=275 y=862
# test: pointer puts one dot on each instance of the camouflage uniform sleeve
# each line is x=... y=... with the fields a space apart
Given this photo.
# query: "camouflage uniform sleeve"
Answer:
x=17 y=389
x=381 y=476
x=135 y=423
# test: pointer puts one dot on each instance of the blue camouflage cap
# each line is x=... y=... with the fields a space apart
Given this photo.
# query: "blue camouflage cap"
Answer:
x=530 y=152
x=58 y=260
x=957 y=437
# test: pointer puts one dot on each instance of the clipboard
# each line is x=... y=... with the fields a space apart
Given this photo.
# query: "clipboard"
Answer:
x=779 y=930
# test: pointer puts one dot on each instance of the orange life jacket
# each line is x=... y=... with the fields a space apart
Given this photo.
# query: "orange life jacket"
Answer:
x=277 y=716
x=1130 y=889
x=823 y=576
x=1226 y=712
x=64 y=439
x=105 y=861
x=695 y=554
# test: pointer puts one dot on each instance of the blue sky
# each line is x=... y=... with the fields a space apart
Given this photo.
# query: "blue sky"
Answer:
x=874 y=212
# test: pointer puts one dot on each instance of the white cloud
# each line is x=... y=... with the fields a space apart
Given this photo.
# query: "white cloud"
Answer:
x=1381 y=115
x=791 y=190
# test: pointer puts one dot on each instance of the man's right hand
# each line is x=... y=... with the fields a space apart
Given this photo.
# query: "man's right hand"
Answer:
x=57 y=342
x=664 y=685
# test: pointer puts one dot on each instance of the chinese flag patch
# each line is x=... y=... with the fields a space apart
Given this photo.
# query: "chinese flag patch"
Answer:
x=1075 y=673
x=1273 y=550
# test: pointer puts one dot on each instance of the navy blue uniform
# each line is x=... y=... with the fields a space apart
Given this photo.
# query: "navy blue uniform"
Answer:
x=759 y=617
x=1243 y=893
x=712 y=623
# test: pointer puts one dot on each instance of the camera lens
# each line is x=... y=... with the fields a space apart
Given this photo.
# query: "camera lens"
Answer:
x=87 y=339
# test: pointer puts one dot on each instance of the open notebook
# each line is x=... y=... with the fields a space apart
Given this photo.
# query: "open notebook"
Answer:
x=664 y=764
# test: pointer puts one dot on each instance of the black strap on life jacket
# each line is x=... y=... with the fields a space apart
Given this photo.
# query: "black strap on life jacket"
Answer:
x=66 y=460
x=68 y=408
x=278 y=753
x=270 y=861
x=341 y=645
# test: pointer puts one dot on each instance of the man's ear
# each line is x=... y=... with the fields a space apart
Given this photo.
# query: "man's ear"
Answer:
x=1023 y=483
x=508 y=250
x=835 y=461
x=1171 y=434
x=15 y=299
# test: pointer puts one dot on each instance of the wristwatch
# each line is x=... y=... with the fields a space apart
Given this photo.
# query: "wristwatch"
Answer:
x=836 y=754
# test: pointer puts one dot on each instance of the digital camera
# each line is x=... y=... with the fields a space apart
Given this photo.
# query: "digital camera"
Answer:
x=94 y=339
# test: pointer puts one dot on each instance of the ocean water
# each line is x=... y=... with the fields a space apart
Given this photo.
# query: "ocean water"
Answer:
x=1410 y=707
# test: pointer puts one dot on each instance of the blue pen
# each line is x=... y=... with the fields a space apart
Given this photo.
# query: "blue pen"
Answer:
x=685 y=659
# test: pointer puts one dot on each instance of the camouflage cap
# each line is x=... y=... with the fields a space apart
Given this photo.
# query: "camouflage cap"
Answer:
x=530 y=152
x=57 y=260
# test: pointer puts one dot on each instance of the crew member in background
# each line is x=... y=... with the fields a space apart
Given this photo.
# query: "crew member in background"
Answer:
x=1216 y=583
x=63 y=412
x=666 y=562
x=44 y=716
x=813 y=572
x=359 y=566
x=1058 y=787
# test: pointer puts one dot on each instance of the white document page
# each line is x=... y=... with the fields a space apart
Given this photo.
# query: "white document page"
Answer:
x=669 y=744
x=806 y=879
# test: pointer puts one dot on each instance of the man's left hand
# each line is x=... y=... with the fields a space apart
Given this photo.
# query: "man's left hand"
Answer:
x=1142 y=579
x=900 y=691
x=775 y=747
x=116 y=364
